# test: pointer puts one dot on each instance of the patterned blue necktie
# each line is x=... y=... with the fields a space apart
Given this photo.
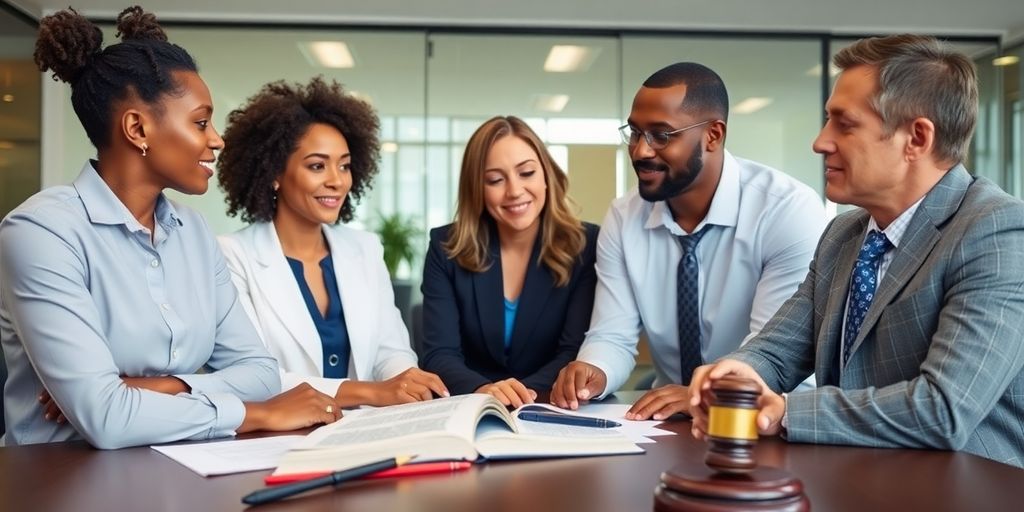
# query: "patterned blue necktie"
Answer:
x=862 y=286
x=687 y=311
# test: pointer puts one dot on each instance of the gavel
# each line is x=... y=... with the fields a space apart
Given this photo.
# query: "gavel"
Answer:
x=730 y=478
x=732 y=425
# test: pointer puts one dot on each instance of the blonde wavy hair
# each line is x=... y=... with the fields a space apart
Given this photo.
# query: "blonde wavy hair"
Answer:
x=562 y=237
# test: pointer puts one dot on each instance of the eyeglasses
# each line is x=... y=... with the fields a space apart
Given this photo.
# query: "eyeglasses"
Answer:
x=655 y=139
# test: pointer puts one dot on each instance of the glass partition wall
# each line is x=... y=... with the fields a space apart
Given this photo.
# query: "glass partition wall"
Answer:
x=432 y=88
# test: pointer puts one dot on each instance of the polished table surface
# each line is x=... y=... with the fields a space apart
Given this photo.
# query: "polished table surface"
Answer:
x=75 y=477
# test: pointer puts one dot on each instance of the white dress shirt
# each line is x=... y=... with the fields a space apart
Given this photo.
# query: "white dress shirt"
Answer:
x=763 y=226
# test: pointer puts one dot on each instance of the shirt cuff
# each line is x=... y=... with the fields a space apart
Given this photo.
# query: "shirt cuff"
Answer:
x=202 y=383
x=784 y=423
x=230 y=414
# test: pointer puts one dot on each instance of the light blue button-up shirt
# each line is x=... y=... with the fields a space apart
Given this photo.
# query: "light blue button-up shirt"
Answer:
x=87 y=296
x=763 y=227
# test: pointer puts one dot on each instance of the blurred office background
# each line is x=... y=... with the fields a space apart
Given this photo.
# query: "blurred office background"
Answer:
x=436 y=70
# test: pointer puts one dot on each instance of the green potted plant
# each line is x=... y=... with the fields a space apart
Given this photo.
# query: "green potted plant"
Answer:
x=399 y=234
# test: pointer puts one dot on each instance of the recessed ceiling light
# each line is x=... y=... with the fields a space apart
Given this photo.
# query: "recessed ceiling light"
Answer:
x=567 y=58
x=550 y=102
x=816 y=70
x=8 y=98
x=361 y=96
x=751 y=105
x=328 y=54
x=1005 y=60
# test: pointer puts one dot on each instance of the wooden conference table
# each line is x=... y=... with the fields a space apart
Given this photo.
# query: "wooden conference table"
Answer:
x=75 y=477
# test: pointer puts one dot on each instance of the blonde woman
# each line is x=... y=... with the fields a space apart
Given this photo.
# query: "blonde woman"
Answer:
x=509 y=286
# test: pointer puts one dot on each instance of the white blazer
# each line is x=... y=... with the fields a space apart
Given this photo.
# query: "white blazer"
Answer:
x=270 y=295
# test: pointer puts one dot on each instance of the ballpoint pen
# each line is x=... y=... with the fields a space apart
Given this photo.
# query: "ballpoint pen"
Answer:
x=429 y=468
x=283 y=491
x=567 y=419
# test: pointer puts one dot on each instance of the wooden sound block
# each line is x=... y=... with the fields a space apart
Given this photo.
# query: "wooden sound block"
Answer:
x=694 y=486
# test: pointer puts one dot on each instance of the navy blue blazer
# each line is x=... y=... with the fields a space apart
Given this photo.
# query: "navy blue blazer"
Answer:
x=464 y=318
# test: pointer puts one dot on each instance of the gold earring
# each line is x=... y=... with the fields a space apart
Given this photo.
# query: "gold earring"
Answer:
x=144 y=148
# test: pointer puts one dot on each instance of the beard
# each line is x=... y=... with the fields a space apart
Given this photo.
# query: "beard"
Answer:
x=676 y=181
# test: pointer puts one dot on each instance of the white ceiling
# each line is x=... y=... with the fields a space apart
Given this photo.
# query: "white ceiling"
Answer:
x=1004 y=18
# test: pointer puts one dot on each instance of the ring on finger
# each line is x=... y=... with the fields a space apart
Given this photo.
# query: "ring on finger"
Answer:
x=329 y=409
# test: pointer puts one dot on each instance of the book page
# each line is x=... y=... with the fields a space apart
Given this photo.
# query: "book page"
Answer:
x=456 y=415
x=496 y=441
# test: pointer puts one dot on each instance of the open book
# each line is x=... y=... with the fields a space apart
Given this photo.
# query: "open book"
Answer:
x=457 y=428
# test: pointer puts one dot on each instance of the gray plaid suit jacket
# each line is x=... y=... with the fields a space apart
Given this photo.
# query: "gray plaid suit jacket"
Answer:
x=938 y=360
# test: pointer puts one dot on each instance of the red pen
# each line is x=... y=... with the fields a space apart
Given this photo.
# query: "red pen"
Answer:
x=428 y=468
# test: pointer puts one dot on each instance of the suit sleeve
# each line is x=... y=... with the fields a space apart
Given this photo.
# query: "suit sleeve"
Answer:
x=577 y=318
x=975 y=353
x=442 y=343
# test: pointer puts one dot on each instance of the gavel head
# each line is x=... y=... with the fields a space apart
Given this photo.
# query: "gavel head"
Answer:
x=732 y=426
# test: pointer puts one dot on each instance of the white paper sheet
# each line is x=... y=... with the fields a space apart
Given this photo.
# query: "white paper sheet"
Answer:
x=226 y=457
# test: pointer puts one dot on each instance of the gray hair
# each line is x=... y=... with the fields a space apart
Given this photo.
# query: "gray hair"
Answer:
x=918 y=76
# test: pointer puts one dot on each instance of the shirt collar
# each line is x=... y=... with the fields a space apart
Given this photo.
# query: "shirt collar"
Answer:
x=725 y=204
x=103 y=207
x=898 y=227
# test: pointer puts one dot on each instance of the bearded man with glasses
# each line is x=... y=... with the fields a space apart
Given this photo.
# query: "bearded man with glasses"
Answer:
x=698 y=258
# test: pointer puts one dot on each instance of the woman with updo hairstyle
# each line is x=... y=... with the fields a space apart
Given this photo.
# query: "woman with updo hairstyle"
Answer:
x=297 y=159
x=118 y=318
x=508 y=287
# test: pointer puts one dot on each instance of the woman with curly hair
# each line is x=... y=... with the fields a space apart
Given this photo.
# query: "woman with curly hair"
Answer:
x=297 y=158
x=113 y=297
x=508 y=287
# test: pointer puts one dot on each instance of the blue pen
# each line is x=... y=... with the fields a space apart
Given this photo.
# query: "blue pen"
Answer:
x=566 y=419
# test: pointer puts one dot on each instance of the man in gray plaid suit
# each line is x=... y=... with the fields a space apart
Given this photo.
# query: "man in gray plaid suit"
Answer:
x=912 y=314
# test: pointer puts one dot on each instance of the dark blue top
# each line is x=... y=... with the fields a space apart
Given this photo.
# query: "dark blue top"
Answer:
x=332 y=328
x=510 y=319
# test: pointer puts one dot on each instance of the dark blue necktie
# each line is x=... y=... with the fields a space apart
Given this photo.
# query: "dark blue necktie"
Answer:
x=863 y=284
x=687 y=310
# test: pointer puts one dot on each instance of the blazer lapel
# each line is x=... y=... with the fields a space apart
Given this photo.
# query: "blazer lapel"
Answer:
x=537 y=287
x=277 y=286
x=835 y=309
x=350 y=271
x=490 y=294
x=921 y=236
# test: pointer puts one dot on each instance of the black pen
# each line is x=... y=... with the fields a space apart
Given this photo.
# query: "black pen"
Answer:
x=567 y=419
x=283 y=491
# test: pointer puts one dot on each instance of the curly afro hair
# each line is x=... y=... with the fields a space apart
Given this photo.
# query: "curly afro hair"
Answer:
x=264 y=132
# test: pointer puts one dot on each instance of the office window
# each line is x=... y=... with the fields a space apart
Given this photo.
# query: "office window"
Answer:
x=1011 y=67
x=383 y=68
x=433 y=89
x=564 y=87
